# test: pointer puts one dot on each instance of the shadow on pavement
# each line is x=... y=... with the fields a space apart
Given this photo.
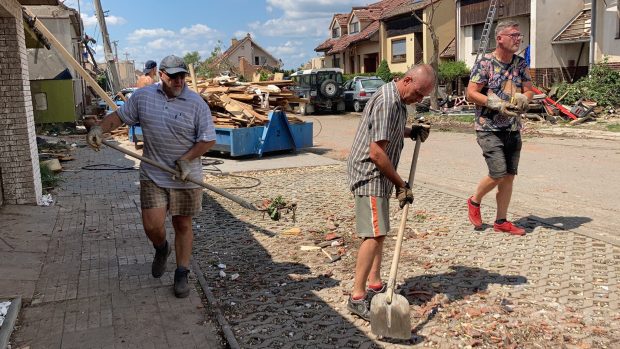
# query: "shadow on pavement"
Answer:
x=530 y=222
x=269 y=301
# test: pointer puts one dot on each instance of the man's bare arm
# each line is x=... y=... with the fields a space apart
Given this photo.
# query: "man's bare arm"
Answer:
x=383 y=163
x=110 y=122
x=197 y=150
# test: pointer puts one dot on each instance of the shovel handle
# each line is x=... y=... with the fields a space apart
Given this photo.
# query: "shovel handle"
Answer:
x=401 y=229
x=224 y=193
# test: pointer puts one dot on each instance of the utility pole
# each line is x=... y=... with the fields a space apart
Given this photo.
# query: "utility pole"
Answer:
x=115 y=43
x=126 y=56
x=116 y=82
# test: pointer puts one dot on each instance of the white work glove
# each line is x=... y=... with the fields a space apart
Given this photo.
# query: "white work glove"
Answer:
x=95 y=137
x=496 y=103
x=521 y=102
x=184 y=169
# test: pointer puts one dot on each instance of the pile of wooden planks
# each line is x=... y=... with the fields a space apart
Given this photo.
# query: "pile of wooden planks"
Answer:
x=237 y=104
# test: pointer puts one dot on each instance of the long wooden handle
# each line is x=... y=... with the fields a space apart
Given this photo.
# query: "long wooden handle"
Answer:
x=232 y=197
x=401 y=229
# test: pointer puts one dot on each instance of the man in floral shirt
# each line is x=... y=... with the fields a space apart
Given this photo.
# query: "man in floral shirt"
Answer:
x=501 y=87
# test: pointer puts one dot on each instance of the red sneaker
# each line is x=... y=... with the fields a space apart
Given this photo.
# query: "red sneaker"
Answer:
x=474 y=214
x=508 y=227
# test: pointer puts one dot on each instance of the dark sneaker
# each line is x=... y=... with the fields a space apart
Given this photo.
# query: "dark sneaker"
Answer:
x=508 y=227
x=181 y=285
x=474 y=214
x=372 y=292
x=360 y=307
x=158 y=268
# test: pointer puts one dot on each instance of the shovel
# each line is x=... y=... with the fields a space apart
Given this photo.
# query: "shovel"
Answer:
x=389 y=312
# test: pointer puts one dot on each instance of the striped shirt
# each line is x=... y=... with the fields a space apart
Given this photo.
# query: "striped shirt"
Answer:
x=171 y=127
x=384 y=118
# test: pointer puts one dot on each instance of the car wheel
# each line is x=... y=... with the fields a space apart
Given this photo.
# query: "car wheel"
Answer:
x=357 y=107
x=329 y=88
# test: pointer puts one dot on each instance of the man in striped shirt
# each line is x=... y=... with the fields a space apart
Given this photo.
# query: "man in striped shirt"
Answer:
x=371 y=170
x=178 y=128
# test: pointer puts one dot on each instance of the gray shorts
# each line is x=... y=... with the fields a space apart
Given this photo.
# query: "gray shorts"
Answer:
x=372 y=216
x=179 y=202
x=501 y=150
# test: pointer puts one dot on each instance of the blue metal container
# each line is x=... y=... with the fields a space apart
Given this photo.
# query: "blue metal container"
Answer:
x=276 y=135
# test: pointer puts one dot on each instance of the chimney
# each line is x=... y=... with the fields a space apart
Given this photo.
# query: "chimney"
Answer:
x=233 y=41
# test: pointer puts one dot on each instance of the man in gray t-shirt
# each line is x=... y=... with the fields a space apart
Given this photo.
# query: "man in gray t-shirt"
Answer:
x=371 y=171
x=177 y=128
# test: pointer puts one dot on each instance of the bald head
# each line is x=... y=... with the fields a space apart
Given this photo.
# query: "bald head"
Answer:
x=417 y=82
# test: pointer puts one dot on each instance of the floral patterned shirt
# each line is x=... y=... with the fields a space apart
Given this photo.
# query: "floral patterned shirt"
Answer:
x=504 y=80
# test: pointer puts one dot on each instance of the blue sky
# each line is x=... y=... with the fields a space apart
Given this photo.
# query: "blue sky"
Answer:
x=288 y=29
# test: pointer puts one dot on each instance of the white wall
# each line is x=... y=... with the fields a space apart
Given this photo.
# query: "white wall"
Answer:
x=547 y=20
x=607 y=42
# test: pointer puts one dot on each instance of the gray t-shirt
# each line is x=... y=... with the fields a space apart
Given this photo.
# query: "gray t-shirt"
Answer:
x=384 y=118
x=171 y=126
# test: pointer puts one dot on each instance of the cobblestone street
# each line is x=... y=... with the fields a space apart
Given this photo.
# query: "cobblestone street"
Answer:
x=549 y=289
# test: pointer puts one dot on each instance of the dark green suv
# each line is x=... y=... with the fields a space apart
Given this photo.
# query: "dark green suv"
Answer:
x=322 y=87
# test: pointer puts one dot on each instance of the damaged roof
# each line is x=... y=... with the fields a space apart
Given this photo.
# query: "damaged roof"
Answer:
x=576 y=30
x=450 y=50
x=373 y=12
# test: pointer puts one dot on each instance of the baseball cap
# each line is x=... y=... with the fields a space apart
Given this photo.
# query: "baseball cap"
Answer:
x=173 y=65
x=148 y=66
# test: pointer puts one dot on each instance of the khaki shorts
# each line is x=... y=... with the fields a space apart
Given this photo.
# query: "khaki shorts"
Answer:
x=179 y=202
x=372 y=216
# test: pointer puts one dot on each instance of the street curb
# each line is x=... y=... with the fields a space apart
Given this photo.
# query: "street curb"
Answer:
x=9 y=322
x=228 y=333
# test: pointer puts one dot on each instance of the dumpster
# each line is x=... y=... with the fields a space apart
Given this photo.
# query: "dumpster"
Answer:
x=277 y=135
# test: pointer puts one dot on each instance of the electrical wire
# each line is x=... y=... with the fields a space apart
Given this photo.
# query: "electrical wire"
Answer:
x=108 y=167
x=207 y=162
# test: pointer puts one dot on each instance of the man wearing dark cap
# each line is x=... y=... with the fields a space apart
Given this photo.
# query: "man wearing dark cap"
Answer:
x=178 y=128
x=150 y=69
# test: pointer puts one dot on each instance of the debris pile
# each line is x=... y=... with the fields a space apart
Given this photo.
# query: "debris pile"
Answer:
x=236 y=104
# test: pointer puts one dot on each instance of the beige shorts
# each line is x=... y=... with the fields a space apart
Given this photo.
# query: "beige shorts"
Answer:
x=179 y=202
x=372 y=216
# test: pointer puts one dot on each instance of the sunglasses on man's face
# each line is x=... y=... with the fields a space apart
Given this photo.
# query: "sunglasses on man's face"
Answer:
x=175 y=76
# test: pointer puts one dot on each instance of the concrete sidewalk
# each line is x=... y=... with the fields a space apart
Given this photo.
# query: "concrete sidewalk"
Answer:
x=82 y=267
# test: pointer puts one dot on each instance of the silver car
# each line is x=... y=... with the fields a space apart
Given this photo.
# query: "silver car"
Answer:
x=359 y=90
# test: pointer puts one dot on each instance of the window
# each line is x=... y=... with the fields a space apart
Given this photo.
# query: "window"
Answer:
x=335 y=32
x=354 y=27
x=336 y=62
x=399 y=51
x=478 y=35
x=256 y=60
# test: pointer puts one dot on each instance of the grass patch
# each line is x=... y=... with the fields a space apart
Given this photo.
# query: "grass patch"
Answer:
x=463 y=118
x=613 y=127
x=49 y=179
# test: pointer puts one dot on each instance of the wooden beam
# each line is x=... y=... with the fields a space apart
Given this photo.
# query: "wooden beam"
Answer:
x=193 y=75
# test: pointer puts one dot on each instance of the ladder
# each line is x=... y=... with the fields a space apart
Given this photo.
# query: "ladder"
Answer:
x=486 y=30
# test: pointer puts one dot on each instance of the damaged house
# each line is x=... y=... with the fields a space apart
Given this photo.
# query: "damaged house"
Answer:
x=563 y=40
x=245 y=57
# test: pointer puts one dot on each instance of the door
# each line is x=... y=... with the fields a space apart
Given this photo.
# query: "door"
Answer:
x=370 y=63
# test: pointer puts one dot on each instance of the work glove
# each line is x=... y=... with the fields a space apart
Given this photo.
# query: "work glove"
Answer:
x=184 y=169
x=503 y=107
x=95 y=137
x=521 y=102
x=421 y=129
x=404 y=195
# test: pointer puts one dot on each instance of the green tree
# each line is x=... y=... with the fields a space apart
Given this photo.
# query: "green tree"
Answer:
x=192 y=58
x=383 y=71
x=452 y=70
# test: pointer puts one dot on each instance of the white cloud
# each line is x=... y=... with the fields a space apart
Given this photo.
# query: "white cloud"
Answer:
x=286 y=49
x=115 y=20
x=302 y=18
x=197 y=29
x=240 y=34
x=143 y=33
x=89 y=21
